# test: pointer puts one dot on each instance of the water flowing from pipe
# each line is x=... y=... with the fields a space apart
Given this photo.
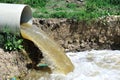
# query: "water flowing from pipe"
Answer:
x=53 y=55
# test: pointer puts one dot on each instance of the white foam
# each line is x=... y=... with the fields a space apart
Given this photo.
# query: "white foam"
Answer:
x=92 y=65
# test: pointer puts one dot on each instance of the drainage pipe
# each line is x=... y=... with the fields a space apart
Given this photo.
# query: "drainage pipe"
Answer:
x=13 y=15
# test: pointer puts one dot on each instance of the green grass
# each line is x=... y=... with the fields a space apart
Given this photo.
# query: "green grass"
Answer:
x=91 y=10
x=33 y=3
x=61 y=9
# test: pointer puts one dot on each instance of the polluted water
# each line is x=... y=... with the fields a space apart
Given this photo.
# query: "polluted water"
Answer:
x=92 y=65
x=54 y=56
x=86 y=65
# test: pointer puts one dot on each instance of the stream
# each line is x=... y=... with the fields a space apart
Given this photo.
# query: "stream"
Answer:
x=87 y=65
x=92 y=65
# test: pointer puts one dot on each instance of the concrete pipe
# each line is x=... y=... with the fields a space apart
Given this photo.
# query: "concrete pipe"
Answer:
x=13 y=15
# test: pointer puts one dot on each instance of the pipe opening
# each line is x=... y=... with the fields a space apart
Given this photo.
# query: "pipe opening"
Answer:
x=26 y=16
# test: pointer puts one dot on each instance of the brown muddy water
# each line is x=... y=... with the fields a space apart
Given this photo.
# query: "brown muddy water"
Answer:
x=88 y=65
x=53 y=54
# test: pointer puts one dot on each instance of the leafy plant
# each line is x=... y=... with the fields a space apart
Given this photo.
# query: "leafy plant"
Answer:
x=10 y=41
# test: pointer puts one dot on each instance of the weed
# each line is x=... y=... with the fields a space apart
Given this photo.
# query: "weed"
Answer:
x=9 y=41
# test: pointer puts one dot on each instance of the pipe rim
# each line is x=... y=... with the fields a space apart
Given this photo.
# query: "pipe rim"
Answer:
x=26 y=15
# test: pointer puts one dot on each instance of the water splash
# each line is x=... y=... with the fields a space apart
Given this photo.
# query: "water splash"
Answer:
x=92 y=65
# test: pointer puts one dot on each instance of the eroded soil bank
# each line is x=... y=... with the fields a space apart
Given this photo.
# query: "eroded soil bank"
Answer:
x=82 y=35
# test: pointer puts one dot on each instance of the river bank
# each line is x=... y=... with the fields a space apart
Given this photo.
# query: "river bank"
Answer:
x=73 y=36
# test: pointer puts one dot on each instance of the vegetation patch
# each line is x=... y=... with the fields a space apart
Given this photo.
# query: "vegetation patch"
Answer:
x=91 y=9
x=9 y=41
